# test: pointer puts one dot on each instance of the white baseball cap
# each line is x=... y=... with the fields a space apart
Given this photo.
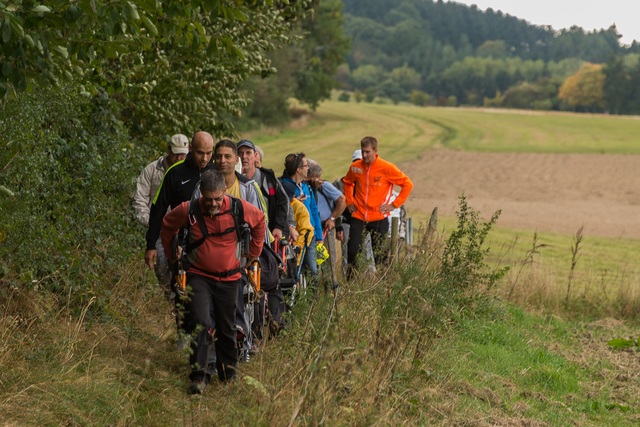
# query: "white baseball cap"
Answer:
x=179 y=144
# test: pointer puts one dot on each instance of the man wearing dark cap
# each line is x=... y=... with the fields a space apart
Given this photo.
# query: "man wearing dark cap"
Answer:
x=277 y=202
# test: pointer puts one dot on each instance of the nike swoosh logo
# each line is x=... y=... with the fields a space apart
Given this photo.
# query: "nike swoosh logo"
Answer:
x=184 y=182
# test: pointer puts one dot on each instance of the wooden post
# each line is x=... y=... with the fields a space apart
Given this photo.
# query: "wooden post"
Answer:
x=334 y=261
x=432 y=229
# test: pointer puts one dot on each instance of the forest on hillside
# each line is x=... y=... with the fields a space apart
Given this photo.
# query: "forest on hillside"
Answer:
x=445 y=53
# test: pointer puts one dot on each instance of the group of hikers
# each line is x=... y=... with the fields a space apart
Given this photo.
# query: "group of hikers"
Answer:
x=214 y=214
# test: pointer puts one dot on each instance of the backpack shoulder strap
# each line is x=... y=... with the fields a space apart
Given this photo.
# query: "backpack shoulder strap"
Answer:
x=330 y=202
x=242 y=228
x=237 y=212
x=195 y=215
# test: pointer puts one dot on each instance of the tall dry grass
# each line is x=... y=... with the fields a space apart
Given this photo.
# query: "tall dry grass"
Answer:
x=569 y=283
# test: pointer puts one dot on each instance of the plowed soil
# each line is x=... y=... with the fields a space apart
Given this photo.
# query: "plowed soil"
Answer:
x=544 y=192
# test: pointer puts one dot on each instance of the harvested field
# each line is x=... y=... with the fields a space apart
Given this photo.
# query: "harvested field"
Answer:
x=544 y=192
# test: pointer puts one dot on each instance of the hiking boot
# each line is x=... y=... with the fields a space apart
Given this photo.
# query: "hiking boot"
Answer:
x=213 y=371
x=197 y=387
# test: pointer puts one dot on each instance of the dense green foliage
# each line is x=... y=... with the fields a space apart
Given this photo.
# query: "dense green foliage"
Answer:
x=324 y=48
x=71 y=167
x=171 y=65
x=460 y=55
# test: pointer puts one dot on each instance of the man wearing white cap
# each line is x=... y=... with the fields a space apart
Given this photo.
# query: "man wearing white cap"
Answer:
x=357 y=155
x=147 y=186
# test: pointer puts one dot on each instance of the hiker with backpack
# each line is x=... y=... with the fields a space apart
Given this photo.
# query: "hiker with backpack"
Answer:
x=178 y=185
x=331 y=204
x=281 y=223
x=277 y=202
x=213 y=272
x=295 y=172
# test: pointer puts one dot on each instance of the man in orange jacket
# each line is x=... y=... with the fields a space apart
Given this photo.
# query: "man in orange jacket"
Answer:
x=368 y=188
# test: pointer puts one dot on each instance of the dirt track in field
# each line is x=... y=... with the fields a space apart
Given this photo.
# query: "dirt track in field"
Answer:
x=544 y=192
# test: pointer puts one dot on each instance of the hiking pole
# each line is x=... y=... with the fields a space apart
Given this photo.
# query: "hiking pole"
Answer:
x=303 y=253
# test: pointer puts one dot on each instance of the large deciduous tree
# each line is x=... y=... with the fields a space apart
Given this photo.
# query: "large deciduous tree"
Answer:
x=325 y=47
x=171 y=64
x=585 y=88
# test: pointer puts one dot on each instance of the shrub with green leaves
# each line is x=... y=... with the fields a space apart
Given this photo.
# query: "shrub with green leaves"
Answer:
x=463 y=270
x=70 y=165
x=442 y=281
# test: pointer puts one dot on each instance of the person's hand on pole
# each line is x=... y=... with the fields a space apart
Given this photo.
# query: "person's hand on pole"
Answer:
x=329 y=224
x=277 y=234
x=293 y=233
x=178 y=254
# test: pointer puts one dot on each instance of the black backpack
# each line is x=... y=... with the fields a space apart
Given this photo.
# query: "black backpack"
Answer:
x=270 y=263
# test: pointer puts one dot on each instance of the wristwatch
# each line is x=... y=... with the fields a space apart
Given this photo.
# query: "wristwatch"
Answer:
x=332 y=219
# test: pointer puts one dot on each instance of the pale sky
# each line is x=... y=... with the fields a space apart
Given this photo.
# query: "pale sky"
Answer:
x=588 y=14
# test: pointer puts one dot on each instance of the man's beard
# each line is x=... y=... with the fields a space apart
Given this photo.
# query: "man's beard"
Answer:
x=212 y=211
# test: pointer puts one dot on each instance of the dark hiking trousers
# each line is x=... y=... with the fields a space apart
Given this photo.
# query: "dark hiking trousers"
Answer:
x=223 y=296
x=378 y=230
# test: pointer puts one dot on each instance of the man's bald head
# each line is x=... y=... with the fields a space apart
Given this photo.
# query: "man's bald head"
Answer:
x=201 y=148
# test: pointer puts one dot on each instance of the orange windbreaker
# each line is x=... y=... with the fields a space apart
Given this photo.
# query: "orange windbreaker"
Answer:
x=373 y=186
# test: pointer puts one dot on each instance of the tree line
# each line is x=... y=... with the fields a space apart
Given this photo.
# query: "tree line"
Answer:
x=437 y=53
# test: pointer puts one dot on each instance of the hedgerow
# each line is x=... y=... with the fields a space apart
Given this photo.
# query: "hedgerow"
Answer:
x=68 y=166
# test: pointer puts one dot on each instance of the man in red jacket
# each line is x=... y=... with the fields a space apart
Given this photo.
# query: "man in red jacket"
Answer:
x=214 y=273
x=368 y=188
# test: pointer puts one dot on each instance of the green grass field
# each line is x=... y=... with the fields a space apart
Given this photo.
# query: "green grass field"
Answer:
x=405 y=132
